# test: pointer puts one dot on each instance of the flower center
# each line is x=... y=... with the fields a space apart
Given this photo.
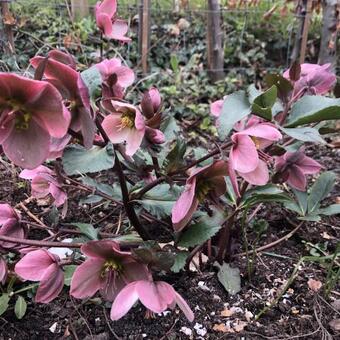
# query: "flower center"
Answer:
x=256 y=142
x=111 y=265
x=128 y=120
x=202 y=190
x=22 y=120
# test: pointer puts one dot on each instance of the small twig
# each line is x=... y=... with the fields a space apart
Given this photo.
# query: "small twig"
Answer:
x=108 y=325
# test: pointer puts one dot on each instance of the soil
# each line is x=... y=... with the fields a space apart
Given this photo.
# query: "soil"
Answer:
x=301 y=313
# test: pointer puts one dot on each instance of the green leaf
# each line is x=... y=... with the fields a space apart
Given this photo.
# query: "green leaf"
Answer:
x=93 y=81
x=68 y=273
x=333 y=209
x=87 y=229
x=311 y=218
x=229 y=277
x=4 y=300
x=236 y=106
x=260 y=226
x=170 y=128
x=282 y=84
x=77 y=160
x=257 y=198
x=20 y=307
x=293 y=206
x=175 y=158
x=174 y=63
x=180 y=261
x=202 y=231
x=160 y=200
x=302 y=199
x=320 y=189
x=263 y=104
x=114 y=191
x=305 y=134
x=312 y=109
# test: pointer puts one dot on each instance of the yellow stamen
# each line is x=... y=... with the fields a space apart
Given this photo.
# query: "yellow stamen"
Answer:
x=111 y=265
x=22 y=120
x=202 y=190
x=127 y=121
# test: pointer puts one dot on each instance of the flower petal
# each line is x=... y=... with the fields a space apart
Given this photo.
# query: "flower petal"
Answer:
x=296 y=178
x=182 y=304
x=149 y=296
x=103 y=249
x=308 y=165
x=119 y=29
x=259 y=176
x=216 y=108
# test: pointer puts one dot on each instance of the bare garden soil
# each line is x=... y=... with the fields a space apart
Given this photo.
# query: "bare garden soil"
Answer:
x=300 y=314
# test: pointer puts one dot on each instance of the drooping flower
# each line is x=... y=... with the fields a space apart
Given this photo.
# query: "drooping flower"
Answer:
x=41 y=265
x=156 y=296
x=205 y=182
x=314 y=80
x=3 y=270
x=75 y=94
x=124 y=123
x=292 y=167
x=108 y=23
x=31 y=112
x=63 y=57
x=107 y=269
x=10 y=225
x=245 y=153
x=116 y=78
x=44 y=183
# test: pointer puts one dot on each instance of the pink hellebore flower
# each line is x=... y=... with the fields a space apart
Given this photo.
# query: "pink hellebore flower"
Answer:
x=31 y=112
x=75 y=94
x=244 y=154
x=293 y=168
x=43 y=183
x=124 y=123
x=116 y=78
x=41 y=265
x=63 y=57
x=156 y=296
x=107 y=269
x=314 y=80
x=3 y=270
x=10 y=225
x=107 y=22
x=203 y=182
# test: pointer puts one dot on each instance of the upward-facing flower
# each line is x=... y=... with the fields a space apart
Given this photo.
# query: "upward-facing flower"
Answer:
x=124 y=123
x=75 y=94
x=245 y=153
x=41 y=265
x=44 y=183
x=31 y=112
x=156 y=296
x=108 y=23
x=292 y=167
x=314 y=80
x=116 y=78
x=206 y=182
x=10 y=225
x=107 y=269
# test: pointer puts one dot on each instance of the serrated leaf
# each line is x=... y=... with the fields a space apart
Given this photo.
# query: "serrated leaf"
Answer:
x=256 y=198
x=333 y=209
x=160 y=200
x=78 y=160
x=20 y=307
x=236 y=106
x=320 y=189
x=312 y=109
x=229 y=277
x=293 y=206
x=68 y=273
x=302 y=199
x=87 y=229
x=175 y=158
x=4 y=300
x=180 y=261
x=202 y=231
x=305 y=134
x=262 y=105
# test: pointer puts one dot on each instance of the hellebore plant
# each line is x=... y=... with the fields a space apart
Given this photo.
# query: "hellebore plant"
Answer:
x=44 y=183
x=156 y=172
x=31 y=113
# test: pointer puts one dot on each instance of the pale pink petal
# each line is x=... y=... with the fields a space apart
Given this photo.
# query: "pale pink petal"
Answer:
x=233 y=178
x=107 y=6
x=149 y=296
x=52 y=283
x=57 y=146
x=103 y=249
x=182 y=304
x=30 y=174
x=263 y=130
x=112 y=126
x=87 y=278
x=124 y=301
x=243 y=154
x=155 y=98
x=134 y=139
x=259 y=176
x=119 y=30
x=33 y=265
x=6 y=213
x=216 y=108
x=104 y=23
x=59 y=195
x=11 y=228
x=125 y=76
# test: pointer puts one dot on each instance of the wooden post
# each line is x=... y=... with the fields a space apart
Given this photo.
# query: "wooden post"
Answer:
x=6 y=33
x=215 y=42
x=330 y=22
x=144 y=33
x=79 y=8
x=305 y=31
